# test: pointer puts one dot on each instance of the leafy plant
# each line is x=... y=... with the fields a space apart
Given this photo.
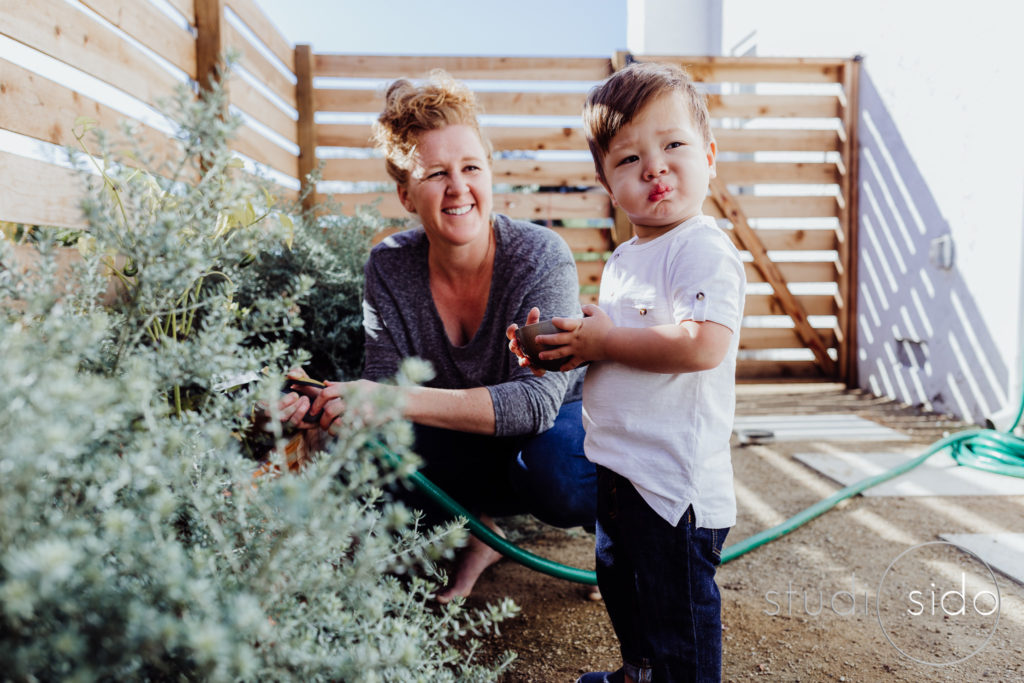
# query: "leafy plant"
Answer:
x=329 y=250
x=135 y=542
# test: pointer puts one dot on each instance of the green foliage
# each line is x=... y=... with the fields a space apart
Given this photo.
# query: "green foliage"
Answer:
x=329 y=250
x=135 y=543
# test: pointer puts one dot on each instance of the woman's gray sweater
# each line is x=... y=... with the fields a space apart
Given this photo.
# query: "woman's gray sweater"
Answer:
x=532 y=267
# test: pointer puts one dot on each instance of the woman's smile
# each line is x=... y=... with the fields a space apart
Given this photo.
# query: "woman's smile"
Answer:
x=449 y=188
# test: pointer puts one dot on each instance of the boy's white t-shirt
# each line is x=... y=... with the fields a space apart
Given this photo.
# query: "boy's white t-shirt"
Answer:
x=669 y=433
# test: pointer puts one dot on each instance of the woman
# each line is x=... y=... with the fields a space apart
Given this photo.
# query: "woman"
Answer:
x=498 y=438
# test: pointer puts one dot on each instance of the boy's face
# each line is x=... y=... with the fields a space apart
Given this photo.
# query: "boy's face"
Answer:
x=657 y=167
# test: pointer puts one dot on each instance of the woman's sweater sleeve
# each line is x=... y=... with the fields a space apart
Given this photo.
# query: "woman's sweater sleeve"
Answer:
x=528 y=404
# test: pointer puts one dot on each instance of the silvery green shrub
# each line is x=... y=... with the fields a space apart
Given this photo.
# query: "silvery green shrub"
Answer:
x=135 y=541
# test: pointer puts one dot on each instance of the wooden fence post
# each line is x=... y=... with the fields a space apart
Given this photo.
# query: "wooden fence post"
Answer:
x=305 y=103
x=209 y=41
x=848 y=221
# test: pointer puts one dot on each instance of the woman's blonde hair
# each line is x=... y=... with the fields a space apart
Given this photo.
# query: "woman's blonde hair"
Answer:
x=410 y=110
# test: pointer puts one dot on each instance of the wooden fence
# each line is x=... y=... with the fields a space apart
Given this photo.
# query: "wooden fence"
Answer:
x=785 y=128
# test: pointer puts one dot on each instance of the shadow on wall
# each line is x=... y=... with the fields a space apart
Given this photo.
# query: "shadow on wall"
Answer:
x=920 y=338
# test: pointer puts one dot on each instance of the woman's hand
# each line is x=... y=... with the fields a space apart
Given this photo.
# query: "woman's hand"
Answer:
x=330 y=403
x=294 y=407
x=513 y=345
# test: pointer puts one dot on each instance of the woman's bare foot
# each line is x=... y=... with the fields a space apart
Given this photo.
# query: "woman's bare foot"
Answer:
x=473 y=560
x=594 y=593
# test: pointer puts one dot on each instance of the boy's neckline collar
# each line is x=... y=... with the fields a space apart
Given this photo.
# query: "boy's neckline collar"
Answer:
x=635 y=241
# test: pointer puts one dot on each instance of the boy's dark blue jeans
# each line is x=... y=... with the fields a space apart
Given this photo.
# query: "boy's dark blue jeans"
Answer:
x=658 y=584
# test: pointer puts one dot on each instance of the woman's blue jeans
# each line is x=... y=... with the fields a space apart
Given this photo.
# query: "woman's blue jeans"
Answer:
x=658 y=584
x=546 y=475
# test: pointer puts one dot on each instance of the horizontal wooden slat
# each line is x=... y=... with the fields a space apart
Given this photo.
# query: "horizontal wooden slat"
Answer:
x=810 y=271
x=753 y=172
x=547 y=173
x=151 y=27
x=586 y=240
x=257 y=105
x=530 y=206
x=258 y=148
x=765 y=370
x=389 y=205
x=254 y=18
x=344 y=100
x=794 y=240
x=38 y=193
x=501 y=137
x=571 y=104
x=809 y=206
x=747 y=140
x=814 y=304
x=343 y=135
x=589 y=272
x=62 y=32
x=580 y=240
x=187 y=9
x=744 y=106
x=254 y=62
x=758 y=338
x=750 y=140
x=505 y=103
x=508 y=171
x=755 y=69
x=488 y=68
x=535 y=138
x=553 y=205
x=355 y=170
x=47 y=111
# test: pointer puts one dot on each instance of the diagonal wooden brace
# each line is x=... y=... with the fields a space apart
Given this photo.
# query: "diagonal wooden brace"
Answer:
x=746 y=236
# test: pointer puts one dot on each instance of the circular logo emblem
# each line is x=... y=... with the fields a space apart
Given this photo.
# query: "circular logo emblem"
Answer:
x=938 y=604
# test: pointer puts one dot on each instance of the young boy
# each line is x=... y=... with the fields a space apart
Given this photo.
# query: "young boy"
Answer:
x=659 y=396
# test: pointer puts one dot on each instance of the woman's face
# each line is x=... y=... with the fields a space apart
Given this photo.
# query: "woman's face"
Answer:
x=449 y=185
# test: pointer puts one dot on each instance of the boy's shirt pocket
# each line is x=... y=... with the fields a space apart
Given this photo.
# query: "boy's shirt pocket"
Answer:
x=643 y=311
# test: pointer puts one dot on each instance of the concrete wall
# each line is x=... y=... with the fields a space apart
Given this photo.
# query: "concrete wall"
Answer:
x=663 y=26
x=942 y=168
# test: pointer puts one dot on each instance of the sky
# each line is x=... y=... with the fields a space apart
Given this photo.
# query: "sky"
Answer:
x=562 y=28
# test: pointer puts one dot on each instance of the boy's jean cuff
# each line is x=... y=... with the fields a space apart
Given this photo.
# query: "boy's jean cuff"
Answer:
x=640 y=674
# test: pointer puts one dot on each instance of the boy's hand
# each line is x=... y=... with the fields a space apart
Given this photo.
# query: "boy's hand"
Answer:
x=513 y=345
x=583 y=339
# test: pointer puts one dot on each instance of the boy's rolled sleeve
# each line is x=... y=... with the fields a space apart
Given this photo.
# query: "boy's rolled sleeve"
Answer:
x=713 y=286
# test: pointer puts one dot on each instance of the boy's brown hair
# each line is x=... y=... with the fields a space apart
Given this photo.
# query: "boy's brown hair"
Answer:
x=614 y=102
x=411 y=109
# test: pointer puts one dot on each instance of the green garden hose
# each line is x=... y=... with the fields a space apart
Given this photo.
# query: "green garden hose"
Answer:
x=986 y=449
x=487 y=535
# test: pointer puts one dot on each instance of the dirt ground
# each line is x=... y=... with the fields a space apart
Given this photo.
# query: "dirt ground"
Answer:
x=560 y=633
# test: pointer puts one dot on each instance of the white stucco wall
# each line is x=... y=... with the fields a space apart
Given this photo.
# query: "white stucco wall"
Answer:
x=942 y=155
x=672 y=27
